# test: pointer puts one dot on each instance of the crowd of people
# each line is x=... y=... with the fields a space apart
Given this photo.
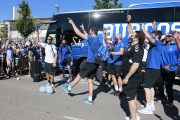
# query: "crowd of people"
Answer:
x=149 y=61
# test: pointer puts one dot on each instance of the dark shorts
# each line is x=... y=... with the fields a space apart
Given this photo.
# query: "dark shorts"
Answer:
x=151 y=76
x=143 y=65
x=131 y=88
x=48 y=68
x=66 y=62
x=108 y=67
x=116 y=70
x=88 y=70
x=104 y=66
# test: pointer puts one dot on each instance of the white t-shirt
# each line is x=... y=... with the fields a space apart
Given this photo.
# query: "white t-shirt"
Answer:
x=145 y=53
x=49 y=53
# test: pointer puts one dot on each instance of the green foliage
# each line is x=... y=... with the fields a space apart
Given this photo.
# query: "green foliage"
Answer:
x=4 y=31
x=107 y=4
x=25 y=24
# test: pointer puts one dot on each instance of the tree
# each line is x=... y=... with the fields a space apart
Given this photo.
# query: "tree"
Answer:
x=4 y=31
x=107 y=4
x=25 y=24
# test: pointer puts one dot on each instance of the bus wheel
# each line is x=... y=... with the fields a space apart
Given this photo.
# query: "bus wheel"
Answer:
x=82 y=63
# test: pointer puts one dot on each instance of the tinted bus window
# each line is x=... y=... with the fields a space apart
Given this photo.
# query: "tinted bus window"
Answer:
x=97 y=19
x=177 y=14
x=149 y=15
x=63 y=25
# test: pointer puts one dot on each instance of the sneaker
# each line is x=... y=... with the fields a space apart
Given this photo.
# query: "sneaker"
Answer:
x=169 y=104
x=129 y=118
x=153 y=108
x=145 y=111
x=52 y=85
x=63 y=79
x=70 y=79
x=48 y=85
x=89 y=102
x=65 y=87
x=115 y=93
x=162 y=100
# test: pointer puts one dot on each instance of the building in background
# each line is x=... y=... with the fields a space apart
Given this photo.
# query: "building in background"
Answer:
x=16 y=37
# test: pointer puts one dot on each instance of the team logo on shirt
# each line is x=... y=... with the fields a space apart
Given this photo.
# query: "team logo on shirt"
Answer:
x=170 y=49
x=136 y=48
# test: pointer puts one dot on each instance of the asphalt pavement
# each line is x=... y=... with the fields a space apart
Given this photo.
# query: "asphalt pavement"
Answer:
x=21 y=100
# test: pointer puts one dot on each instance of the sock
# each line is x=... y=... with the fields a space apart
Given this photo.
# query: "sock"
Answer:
x=53 y=82
x=90 y=98
x=152 y=103
x=69 y=88
x=49 y=81
x=148 y=106
x=120 y=90
x=116 y=87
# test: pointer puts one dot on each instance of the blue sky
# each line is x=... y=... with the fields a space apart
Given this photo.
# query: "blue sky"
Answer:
x=45 y=8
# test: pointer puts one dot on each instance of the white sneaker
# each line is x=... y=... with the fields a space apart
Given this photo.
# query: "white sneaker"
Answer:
x=145 y=111
x=152 y=107
x=70 y=79
x=52 y=85
x=48 y=85
x=129 y=118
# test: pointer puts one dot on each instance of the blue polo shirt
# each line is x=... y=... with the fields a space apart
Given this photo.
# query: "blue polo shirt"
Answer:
x=117 y=59
x=170 y=55
x=94 y=45
x=154 y=55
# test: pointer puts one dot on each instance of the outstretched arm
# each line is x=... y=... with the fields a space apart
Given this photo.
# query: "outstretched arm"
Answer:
x=154 y=25
x=76 y=30
x=39 y=43
x=82 y=26
x=176 y=36
x=105 y=36
x=148 y=36
x=130 y=29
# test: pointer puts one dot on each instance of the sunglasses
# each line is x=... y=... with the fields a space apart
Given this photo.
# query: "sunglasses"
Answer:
x=49 y=39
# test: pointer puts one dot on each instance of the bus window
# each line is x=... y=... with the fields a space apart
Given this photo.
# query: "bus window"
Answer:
x=63 y=25
x=177 y=14
x=149 y=15
x=97 y=19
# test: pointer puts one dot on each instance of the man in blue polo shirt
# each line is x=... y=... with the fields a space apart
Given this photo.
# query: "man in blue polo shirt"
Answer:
x=66 y=57
x=116 y=68
x=90 y=67
x=152 y=68
x=169 y=64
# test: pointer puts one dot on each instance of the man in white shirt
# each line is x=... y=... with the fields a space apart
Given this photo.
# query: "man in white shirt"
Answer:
x=50 y=58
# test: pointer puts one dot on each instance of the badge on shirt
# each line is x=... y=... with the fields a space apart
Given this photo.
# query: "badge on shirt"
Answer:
x=130 y=60
x=136 y=48
x=170 y=49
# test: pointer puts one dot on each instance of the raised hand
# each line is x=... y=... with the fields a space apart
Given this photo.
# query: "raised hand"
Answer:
x=154 y=23
x=70 y=21
x=129 y=18
x=82 y=26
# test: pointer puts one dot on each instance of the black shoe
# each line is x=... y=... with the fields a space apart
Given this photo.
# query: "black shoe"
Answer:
x=115 y=93
x=121 y=93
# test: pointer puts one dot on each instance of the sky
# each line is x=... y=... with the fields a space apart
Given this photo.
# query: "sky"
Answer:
x=46 y=8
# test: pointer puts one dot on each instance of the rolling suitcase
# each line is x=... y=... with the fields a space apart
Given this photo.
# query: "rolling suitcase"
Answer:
x=36 y=70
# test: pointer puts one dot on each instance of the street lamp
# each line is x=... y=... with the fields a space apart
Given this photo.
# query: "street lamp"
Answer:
x=57 y=8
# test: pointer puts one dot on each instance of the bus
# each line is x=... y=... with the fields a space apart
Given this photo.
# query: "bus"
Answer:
x=167 y=15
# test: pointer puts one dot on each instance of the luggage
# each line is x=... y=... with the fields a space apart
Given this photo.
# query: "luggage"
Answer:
x=36 y=77
x=36 y=70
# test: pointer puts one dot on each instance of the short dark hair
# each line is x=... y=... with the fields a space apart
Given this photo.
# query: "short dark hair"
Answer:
x=157 y=32
x=50 y=37
x=95 y=30
x=140 y=36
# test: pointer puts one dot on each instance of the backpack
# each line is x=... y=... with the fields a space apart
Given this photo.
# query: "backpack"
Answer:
x=51 y=46
x=102 y=54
